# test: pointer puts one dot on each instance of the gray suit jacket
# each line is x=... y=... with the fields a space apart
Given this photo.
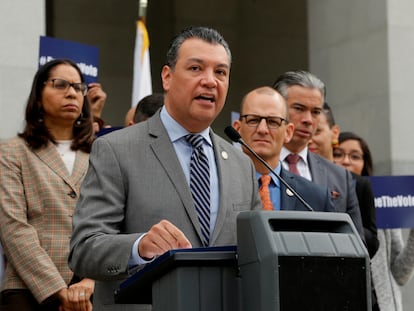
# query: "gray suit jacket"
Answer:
x=134 y=181
x=316 y=196
x=341 y=187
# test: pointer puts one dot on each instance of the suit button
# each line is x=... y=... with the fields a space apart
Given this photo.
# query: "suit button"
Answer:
x=72 y=194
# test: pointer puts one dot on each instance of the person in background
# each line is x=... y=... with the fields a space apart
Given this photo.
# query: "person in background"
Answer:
x=326 y=135
x=305 y=95
x=352 y=152
x=96 y=98
x=323 y=143
x=147 y=107
x=265 y=127
x=129 y=116
x=168 y=182
x=41 y=171
x=393 y=264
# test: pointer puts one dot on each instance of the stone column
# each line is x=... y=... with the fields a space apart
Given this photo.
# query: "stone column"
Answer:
x=351 y=50
x=364 y=51
x=19 y=33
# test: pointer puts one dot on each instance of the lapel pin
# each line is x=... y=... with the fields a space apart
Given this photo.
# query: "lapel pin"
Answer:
x=289 y=192
x=224 y=155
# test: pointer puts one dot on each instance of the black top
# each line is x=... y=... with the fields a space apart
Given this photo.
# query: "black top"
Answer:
x=367 y=207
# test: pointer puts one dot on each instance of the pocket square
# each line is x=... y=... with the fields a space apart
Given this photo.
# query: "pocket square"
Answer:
x=335 y=194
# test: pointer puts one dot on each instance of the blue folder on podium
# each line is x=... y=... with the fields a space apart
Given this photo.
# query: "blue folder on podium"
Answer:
x=138 y=288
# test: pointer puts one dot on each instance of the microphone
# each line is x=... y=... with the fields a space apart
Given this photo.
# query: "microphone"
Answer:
x=235 y=136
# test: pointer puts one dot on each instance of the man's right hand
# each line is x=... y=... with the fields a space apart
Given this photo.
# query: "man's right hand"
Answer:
x=162 y=237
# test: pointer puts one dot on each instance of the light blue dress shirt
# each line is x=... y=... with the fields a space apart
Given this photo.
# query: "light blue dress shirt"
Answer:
x=184 y=150
x=274 y=186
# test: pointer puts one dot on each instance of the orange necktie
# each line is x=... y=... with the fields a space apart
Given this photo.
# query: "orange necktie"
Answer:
x=265 y=194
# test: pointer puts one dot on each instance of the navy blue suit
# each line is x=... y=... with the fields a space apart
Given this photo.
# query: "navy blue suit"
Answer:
x=341 y=187
x=318 y=197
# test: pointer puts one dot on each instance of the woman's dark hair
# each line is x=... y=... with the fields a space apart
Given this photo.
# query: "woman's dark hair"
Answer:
x=35 y=132
x=367 y=169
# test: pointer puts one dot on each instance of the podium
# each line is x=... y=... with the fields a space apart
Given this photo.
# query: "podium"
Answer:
x=186 y=280
x=284 y=260
x=310 y=261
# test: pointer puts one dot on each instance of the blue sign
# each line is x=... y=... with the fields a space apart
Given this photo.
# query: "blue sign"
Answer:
x=394 y=201
x=85 y=56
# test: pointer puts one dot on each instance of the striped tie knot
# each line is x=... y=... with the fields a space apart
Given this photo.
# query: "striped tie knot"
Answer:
x=195 y=140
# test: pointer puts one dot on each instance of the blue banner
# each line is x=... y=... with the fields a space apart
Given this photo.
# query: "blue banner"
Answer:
x=394 y=201
x=85 y=56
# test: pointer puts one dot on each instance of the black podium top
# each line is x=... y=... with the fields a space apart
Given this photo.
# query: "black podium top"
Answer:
x=138 y=287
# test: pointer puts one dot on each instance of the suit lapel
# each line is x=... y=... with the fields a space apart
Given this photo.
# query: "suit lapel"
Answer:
x=318 y=171
x=50 y=156
x=52 y=159
x=165 y=153
x=287 y=199
x=224 y=175
x=80 y=167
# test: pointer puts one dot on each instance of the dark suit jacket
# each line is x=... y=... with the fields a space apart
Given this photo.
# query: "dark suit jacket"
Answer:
x=316 y=196
x=367 y=208
x=135 y=180
x=341 y=186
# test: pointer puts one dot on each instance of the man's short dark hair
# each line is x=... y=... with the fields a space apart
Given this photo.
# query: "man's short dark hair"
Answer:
x=203 y=33
x=300 y=78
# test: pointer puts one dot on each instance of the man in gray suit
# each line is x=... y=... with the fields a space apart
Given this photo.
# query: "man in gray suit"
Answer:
x=264 y=126
x=305 y=95
x=136 y=201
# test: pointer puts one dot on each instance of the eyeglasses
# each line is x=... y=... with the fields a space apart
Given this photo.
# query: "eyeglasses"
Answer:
x=354 y=156
x=64 y=85
x=253 y=120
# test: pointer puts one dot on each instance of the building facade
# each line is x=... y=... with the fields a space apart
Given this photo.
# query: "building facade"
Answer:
x=360 y=49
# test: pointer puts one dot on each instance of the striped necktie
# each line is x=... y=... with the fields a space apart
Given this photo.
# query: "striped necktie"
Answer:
x=200 y=184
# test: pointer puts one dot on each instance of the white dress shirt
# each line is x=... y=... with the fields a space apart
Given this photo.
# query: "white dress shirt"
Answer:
x=302 y=165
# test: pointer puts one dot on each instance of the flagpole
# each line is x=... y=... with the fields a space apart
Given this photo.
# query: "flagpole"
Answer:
x=142 y=9
x=142 y=83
